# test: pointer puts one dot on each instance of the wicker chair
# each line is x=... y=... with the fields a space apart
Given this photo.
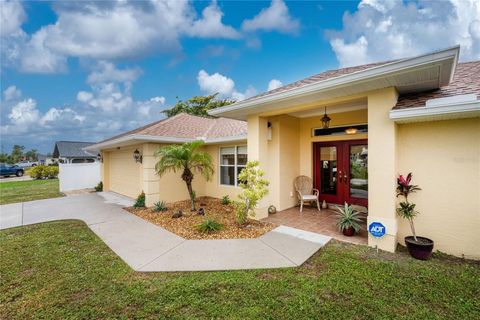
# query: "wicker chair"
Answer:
x=305 y=191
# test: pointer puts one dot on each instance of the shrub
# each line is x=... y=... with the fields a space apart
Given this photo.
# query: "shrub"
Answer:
x=209 y=225
x=36 y=172
x=140 y=202
x=160 y=206
x=43 y=172
x=254 y=188
x=99 y=187
x=177 y=214
x=225 y=200
x=50 y=172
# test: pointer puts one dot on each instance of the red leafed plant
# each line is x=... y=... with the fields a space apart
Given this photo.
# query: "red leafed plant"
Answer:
x=404 y=188
x=407 y=209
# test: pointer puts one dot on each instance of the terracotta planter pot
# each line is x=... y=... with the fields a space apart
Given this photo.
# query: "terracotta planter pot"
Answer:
x=349 y=232
x=421 y=249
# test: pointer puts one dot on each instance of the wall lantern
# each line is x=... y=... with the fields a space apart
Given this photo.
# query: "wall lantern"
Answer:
x=269 y=131
x=137 y=156
x=351 y=130
x=325 y=120
x=100 y=158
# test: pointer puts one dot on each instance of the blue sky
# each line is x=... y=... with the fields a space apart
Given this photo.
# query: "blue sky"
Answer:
x=88 y=70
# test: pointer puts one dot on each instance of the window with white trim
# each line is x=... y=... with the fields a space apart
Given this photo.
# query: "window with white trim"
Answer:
x=232 y=161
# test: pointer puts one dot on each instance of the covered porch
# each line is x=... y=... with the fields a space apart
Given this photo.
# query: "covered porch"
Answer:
x=322 y=222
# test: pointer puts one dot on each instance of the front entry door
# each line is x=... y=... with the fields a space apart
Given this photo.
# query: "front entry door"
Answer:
x=341 y=171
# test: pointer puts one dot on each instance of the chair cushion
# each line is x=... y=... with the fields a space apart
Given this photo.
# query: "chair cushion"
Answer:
x=309 y=197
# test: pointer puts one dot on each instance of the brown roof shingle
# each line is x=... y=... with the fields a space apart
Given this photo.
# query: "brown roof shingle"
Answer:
x=190 y=127
x=465 y=81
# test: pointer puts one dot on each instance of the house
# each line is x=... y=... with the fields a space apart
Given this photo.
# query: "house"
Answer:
x=45 y=159
x=72 y=152
x=353 y=130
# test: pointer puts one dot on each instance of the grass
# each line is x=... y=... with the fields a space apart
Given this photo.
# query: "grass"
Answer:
x=62 y=270
x=20 y=191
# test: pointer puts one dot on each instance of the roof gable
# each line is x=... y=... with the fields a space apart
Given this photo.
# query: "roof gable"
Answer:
x=72 y=149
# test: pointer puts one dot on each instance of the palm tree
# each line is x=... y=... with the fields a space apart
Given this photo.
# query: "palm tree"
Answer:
x=188 y=159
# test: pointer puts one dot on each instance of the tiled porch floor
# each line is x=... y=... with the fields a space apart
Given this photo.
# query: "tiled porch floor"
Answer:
x=311 y=219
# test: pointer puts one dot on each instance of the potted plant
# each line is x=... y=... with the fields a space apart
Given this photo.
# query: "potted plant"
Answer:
x=419 y=247
x=348 y=220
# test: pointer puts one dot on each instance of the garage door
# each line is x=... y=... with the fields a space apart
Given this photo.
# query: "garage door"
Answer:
x=125 y=173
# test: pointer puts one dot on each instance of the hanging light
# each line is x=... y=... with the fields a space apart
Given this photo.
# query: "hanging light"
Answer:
x=351 y=130
x=325 y=120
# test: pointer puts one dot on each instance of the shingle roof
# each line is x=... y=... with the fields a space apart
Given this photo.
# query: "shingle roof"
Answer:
x=465 y=81
x=71 y=149
x=190 y=127
x=329 y=74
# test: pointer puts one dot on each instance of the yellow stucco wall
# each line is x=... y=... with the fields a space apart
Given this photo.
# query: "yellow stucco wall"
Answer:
x=444 y=157
x=123 y=175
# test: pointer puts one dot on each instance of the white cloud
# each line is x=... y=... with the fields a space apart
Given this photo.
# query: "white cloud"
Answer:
x=11 y=93
x=224 y=86
x=107 y=72
x=24 y=113
x=274 y=84
x=107 y=109
x=210 y=25
x=106 y=31
x=12 y=16
x=384 y=30
x=274 y=18
x=36 y=57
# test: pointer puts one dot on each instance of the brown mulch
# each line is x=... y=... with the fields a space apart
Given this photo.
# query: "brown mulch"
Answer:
x=186 y=226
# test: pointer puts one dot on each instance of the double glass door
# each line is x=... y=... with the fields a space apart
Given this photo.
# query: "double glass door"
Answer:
x=341 y=171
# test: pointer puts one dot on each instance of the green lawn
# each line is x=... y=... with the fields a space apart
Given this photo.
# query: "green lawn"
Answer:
x=20 y=191
x=62 y=270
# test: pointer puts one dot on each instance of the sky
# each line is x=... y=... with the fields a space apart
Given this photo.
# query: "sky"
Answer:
x=87 y=70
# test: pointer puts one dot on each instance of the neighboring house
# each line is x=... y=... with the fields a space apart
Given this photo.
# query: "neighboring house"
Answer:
x=45 y=160
x=419 y=115
x=73 y=152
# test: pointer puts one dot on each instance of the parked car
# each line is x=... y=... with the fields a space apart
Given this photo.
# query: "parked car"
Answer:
x=26 y=164
x=10 y=170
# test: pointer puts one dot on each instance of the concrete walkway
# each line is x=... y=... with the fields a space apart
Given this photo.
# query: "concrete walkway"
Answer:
x=147 y=247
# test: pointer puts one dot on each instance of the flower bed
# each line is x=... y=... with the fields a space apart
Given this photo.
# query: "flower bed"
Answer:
x=186 y=226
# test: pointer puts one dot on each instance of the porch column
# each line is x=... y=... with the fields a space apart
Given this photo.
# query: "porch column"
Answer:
x=105 y=167
x=258 y=150
x=150 y=180
x=382 y=171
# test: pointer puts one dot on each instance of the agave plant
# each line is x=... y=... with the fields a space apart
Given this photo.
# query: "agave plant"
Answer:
x=348 y=218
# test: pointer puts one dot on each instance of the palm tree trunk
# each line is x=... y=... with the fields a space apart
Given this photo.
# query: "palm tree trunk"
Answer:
x=187 y=176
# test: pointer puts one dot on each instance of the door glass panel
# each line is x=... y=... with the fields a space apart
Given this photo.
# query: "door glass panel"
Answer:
x=328 y=170
x=359 y=171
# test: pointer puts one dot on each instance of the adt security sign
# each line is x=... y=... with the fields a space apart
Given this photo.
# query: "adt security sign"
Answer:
x=376 y=229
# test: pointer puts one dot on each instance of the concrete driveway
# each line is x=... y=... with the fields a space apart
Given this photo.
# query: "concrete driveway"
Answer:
x=147 y=247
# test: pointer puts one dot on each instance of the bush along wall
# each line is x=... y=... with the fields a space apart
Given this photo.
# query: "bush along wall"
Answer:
x=43 y=172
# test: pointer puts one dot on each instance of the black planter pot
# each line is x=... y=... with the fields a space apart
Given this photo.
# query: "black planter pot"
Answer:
x=421 y=249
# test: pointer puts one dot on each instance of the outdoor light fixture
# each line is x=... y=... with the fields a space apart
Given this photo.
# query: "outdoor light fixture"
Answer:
x=351 y=130
x=325 y=120
x=269 y=131
x=137 y=156
x=100 y=158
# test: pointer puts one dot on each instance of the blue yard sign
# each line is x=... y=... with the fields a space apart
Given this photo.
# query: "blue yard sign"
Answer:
x=376 y=229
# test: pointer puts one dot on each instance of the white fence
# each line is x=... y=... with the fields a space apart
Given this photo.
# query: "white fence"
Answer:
x=76 y=176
